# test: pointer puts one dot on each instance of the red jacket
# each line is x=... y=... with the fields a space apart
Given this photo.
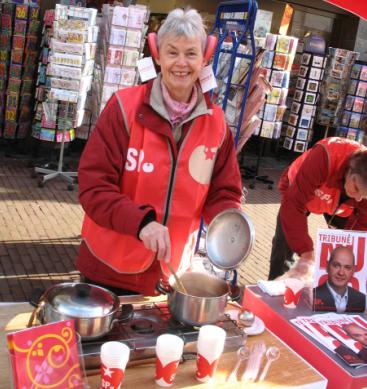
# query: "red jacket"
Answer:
x=177 y=186
x=100 y=172
x=314 y=183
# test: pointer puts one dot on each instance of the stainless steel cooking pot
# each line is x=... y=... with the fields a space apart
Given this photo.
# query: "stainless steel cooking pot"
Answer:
x=204 y=302
x=92 y=308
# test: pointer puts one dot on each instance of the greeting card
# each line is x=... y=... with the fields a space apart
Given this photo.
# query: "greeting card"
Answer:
x=283 y=44
x=280 y=61
x=46 y=356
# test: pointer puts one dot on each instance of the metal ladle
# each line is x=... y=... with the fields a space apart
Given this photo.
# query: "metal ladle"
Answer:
x=246 y=318
x=180 y=285
x=272 y=354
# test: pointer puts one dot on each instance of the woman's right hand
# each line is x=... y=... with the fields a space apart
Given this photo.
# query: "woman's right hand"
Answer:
x=155 y=237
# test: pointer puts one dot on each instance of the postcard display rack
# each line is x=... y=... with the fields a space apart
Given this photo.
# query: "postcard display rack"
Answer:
x=278 y=60
x=233 y=65
x=352 y=124
x=122 y=39
x=18 y=63
x=298 y=131
x=334 y=86
x=64 y=78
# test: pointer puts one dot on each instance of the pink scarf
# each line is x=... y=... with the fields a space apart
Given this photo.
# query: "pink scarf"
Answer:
x=177 y=110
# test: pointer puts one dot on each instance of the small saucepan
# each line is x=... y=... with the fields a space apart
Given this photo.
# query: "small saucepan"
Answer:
x=93 y=309
x=229 y=241
x=204 y=302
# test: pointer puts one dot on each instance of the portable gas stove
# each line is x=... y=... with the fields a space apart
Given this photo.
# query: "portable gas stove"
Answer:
x=145 y=324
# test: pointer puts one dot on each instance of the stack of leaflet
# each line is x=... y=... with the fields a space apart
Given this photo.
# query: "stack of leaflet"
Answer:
x=353 y=119
x=278 y=60
x=18 y=62
x=303 y=107
x=335 y=85
x=65 y=71
x=122 y=39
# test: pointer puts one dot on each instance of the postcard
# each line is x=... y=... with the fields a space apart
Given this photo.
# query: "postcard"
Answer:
x=267 y=129
x=358 y=104
x=280 y=112
x=280 y=61
x=310 y=98
x=283 y=43
x=273 y=96
x=270 y=112
x=301 y=82
x=349 y=101
x=288 y=142
x=312 y=86
x=361 y=89
x=363 y=74
x=352 y=87
x=290 y=131
x=345 y=119
x=295 y=107
x=305 y=122
x=302 y=72
x=277 y=78
x=355 y=119
x=306 y=58
x=315 y=74
x=298 y=94
x=270 y=42
x=293 y=119
x=317 y=61
x=300 y=146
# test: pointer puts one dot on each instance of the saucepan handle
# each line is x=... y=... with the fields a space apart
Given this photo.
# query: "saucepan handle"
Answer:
x=163 y=287
x=37 y=300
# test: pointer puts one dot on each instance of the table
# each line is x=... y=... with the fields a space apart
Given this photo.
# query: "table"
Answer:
x=284 y=373
x=276 y=318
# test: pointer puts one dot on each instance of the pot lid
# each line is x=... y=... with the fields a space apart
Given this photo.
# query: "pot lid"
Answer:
x=229 y=239
x=82 y=300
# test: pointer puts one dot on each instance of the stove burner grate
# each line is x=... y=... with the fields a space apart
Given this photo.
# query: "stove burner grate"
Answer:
x=147 y=323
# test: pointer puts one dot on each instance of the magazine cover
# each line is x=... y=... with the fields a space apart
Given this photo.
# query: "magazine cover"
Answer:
x=344 y=335
x=340 y=271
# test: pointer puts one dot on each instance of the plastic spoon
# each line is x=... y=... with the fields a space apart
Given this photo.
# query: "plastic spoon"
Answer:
x=242 y=354
x=272 y=354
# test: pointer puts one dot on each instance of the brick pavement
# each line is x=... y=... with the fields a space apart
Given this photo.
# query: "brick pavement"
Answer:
x=40 y=230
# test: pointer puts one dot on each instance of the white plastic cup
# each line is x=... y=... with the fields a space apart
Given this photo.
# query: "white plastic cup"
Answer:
x=293 y=290
x=114 y=357
x=209 y=349
x=168 y=350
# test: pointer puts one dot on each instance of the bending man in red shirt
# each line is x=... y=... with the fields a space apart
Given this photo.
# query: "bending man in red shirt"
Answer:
x=160 y=156
x=328 y=179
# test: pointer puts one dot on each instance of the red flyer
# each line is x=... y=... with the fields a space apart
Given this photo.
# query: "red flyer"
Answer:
x=46 y=357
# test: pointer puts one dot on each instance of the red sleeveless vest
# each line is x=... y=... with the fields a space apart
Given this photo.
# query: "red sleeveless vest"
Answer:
x=177 y=189
x=326 y=198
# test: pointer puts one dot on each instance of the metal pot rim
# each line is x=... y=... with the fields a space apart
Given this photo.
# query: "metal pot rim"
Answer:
x=112 y=302
x=192 y=296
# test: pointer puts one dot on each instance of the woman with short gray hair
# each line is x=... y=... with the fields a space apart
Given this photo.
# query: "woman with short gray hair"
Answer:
x=160 y=157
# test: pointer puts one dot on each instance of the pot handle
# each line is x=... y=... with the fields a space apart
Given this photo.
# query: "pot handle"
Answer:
x=36 y=297
x=82 y=290
x=234 y=292
x=163 y=287
x=38 y=307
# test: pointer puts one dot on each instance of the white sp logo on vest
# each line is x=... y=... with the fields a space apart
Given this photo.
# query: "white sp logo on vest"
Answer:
x=201 y=163
x=135 y=161
x=323 y=196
